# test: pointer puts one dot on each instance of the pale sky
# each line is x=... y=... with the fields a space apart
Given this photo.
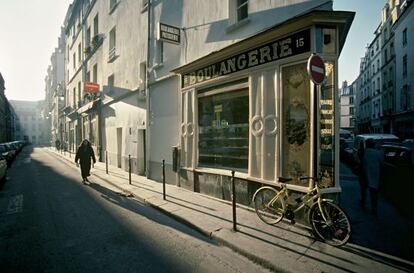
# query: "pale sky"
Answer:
x=29 y=31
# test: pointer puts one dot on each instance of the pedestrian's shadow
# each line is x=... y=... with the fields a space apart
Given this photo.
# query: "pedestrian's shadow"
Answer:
x=123 y=200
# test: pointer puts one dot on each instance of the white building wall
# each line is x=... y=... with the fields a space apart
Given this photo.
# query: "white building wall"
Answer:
x=123 y=110
x=212 y=29
x=206 y=26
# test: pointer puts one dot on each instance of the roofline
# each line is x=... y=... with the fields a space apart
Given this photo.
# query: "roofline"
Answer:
x=293 y=24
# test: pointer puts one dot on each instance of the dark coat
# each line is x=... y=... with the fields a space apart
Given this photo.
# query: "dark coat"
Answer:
x=84 y=155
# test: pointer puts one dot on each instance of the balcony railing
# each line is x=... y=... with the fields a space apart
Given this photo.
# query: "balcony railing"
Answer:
x=112 y=54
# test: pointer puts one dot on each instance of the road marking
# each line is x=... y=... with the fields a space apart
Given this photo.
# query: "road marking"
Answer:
x=27 y=160
x=15 y=204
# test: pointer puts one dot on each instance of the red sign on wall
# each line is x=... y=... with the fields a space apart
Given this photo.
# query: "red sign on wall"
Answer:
x=91 y=87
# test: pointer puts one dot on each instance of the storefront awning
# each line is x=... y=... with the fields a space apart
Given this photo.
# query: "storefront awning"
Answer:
x=340 y=19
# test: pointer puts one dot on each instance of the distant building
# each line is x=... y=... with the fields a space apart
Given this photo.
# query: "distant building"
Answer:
x=347 y=104
x=55 y=91
x=3 y=106
x=7 y=117
x=31 y=123
x=384 y=93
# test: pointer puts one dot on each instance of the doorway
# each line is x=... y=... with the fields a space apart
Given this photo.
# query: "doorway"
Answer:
x=119 y=144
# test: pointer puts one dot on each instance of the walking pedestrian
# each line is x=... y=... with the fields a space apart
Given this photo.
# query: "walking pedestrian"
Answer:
x=361 y=175
x=84 y=155
x=372 y=163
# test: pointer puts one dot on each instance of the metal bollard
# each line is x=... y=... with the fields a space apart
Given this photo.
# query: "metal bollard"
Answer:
x=106 y=162
x=129 y=168
x=233 y=187
x=163 y=179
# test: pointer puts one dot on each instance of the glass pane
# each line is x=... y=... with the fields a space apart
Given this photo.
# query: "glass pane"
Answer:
x=327 y=125
x=224 y=130
x=242 y=12
x=295 y=124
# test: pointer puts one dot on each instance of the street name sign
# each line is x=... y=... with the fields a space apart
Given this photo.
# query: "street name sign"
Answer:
x=168 y=33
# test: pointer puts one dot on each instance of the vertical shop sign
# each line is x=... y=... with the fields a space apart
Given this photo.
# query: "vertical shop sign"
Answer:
x=327 y=128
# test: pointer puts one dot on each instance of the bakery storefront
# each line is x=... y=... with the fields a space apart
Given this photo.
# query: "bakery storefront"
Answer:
x=250 y=108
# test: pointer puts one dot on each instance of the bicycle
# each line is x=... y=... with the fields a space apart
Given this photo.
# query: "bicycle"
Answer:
x=328 y=221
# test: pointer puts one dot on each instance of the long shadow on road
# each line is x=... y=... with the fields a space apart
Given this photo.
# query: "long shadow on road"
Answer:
x=67 y=227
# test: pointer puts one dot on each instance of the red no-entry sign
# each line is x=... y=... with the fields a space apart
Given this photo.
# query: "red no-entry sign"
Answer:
x=316 y=69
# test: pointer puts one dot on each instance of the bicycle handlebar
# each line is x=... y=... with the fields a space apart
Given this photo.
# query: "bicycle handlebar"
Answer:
x=287 y=179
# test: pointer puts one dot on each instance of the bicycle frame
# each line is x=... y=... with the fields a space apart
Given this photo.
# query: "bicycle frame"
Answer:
x=307 y=199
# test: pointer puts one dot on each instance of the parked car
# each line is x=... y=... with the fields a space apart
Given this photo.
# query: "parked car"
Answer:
x=12 y=150
x=6 y=153
x=3 y=169
x=345 y=134
x=379 y=140
x=397 y=174
x=346 y=151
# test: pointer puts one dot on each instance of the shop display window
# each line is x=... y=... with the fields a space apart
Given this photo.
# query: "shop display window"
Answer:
x=295 y=133
x=223 y=122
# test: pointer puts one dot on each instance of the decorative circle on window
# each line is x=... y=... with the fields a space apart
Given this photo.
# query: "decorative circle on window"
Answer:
x=267 y=121
x=190 y=129
x=257 y=126
x=183 y=129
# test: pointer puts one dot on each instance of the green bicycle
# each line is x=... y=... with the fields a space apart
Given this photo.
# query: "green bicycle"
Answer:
x=328 y=221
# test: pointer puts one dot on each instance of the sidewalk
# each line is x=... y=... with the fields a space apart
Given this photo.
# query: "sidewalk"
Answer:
x=282 y=248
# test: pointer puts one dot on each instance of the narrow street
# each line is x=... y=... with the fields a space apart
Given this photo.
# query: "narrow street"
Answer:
x=50 y=222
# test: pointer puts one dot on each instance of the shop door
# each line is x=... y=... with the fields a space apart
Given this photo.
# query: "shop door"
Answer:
x=119 y=148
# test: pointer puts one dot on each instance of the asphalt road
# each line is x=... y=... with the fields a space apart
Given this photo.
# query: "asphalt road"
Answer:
x=50 y=222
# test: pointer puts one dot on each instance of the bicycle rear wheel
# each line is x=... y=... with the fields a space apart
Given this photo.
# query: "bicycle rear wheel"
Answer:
x=336 y=230
x=268 y=209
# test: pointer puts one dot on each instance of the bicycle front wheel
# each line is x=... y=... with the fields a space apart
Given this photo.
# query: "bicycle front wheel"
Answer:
x=268 y=206
x=336 y=229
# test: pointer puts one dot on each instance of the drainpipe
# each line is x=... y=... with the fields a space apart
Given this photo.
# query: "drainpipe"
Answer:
x=147 y=88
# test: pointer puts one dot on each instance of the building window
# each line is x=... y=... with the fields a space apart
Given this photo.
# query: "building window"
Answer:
x=386 y=55
x=79 y=94
x=144 y=5
x=112 y=44
x=223 y=121
x=95 y=73
x=95 y=25
x=88 y=76
x=351 y=100
x=351 y=110
x=404 y=98
x=88 y=37
x=111 y=83
x=404 y=66
x=238 y=12
x=242 y=9
x=404 y=37
x=160 y=46
x=74 y=60
x=79 y=53
x=142 y=75
x=112 y=5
